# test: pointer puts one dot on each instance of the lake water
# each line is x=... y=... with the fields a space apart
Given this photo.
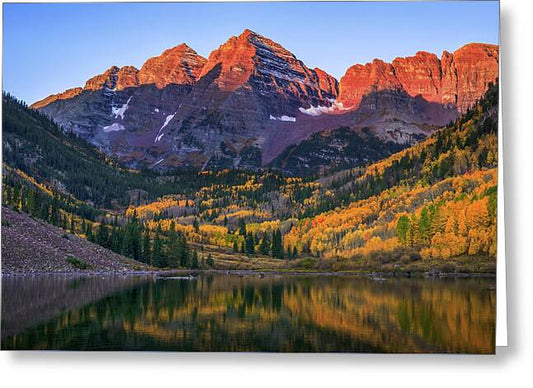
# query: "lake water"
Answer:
x=231 y=313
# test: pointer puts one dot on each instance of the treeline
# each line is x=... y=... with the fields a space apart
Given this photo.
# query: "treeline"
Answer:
x=445 y=229
x=162 y=249
x=264 y=243
x=40 y=201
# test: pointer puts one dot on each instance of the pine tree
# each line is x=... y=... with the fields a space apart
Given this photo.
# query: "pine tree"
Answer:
x=235 y=246
x=250 y=248
x=102 y=236
x=210 y=261
x=116 y=239
x=424 y=227
x=174 y=250
x=402 y=229
x=146 y=251
x=196 y=225
x=55 y=211
x=72 y=224
x=185 y=252
x=242 y=227
x=277 y=245
x=89 y=232
x=131 y=245
x=194 y=260
x=264 y=246
x=157 y=250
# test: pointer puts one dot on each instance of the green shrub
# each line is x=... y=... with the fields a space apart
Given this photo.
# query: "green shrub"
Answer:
x=405 y=259
x=77 y=263
x=306 y=263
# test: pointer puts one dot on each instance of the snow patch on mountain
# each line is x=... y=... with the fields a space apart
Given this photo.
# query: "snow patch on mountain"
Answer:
x=115 y=127
x=120 y=111
x=283 y=118
x=159 y=134
x=167 y=120
x=318 y=110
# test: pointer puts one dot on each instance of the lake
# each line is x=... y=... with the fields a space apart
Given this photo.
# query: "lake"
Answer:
x=227 y=312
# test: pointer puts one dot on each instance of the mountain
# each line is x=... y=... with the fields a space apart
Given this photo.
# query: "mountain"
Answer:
x=178 y=65
x=252 y=99
x=459 y=79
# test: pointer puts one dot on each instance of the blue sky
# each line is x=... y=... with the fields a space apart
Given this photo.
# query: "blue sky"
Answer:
x=51 y=47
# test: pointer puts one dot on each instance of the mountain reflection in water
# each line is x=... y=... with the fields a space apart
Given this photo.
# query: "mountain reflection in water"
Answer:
x=232 y=313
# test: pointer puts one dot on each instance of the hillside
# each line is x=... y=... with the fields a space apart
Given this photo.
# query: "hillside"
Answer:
x=35 y=145
x=436 y=200
x=31 y=245
x=36 y=149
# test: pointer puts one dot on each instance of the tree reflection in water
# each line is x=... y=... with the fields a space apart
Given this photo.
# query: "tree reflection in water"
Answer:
x=278 y=313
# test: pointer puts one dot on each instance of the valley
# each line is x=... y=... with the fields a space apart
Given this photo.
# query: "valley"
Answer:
x=430 y=208
x=300 y=177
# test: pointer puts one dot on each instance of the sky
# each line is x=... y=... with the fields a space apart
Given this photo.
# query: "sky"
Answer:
x=48 y=48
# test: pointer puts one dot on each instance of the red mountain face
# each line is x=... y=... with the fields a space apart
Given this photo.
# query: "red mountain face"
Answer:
x=253 y=60
x=459 y=79
x=252 y=98
x=178 y=65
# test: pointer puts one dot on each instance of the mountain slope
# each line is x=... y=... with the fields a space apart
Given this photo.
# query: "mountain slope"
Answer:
x=436 y=199
x=332 y=150
x=35 y=145
x=38 y=152
x=30 y=245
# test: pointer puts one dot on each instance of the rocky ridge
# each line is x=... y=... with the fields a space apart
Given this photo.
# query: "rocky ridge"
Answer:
x=459 y=79
x=252 y=98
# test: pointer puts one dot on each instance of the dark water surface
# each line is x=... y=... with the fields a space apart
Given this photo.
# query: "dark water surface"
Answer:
x=232 y=313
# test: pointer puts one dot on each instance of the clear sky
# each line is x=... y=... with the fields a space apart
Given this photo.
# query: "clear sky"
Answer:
x=52 y=47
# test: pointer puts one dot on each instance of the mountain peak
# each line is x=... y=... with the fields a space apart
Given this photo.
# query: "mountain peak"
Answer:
x=108 y=79
x=177 y=65
x=473 y=46
x=179 y=49
x=247 y=33
x=251 y=56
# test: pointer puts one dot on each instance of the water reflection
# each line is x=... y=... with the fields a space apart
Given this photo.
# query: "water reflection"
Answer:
x=285 y=313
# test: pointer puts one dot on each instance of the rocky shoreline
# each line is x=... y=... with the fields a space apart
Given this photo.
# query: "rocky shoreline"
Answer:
x=194 y=273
